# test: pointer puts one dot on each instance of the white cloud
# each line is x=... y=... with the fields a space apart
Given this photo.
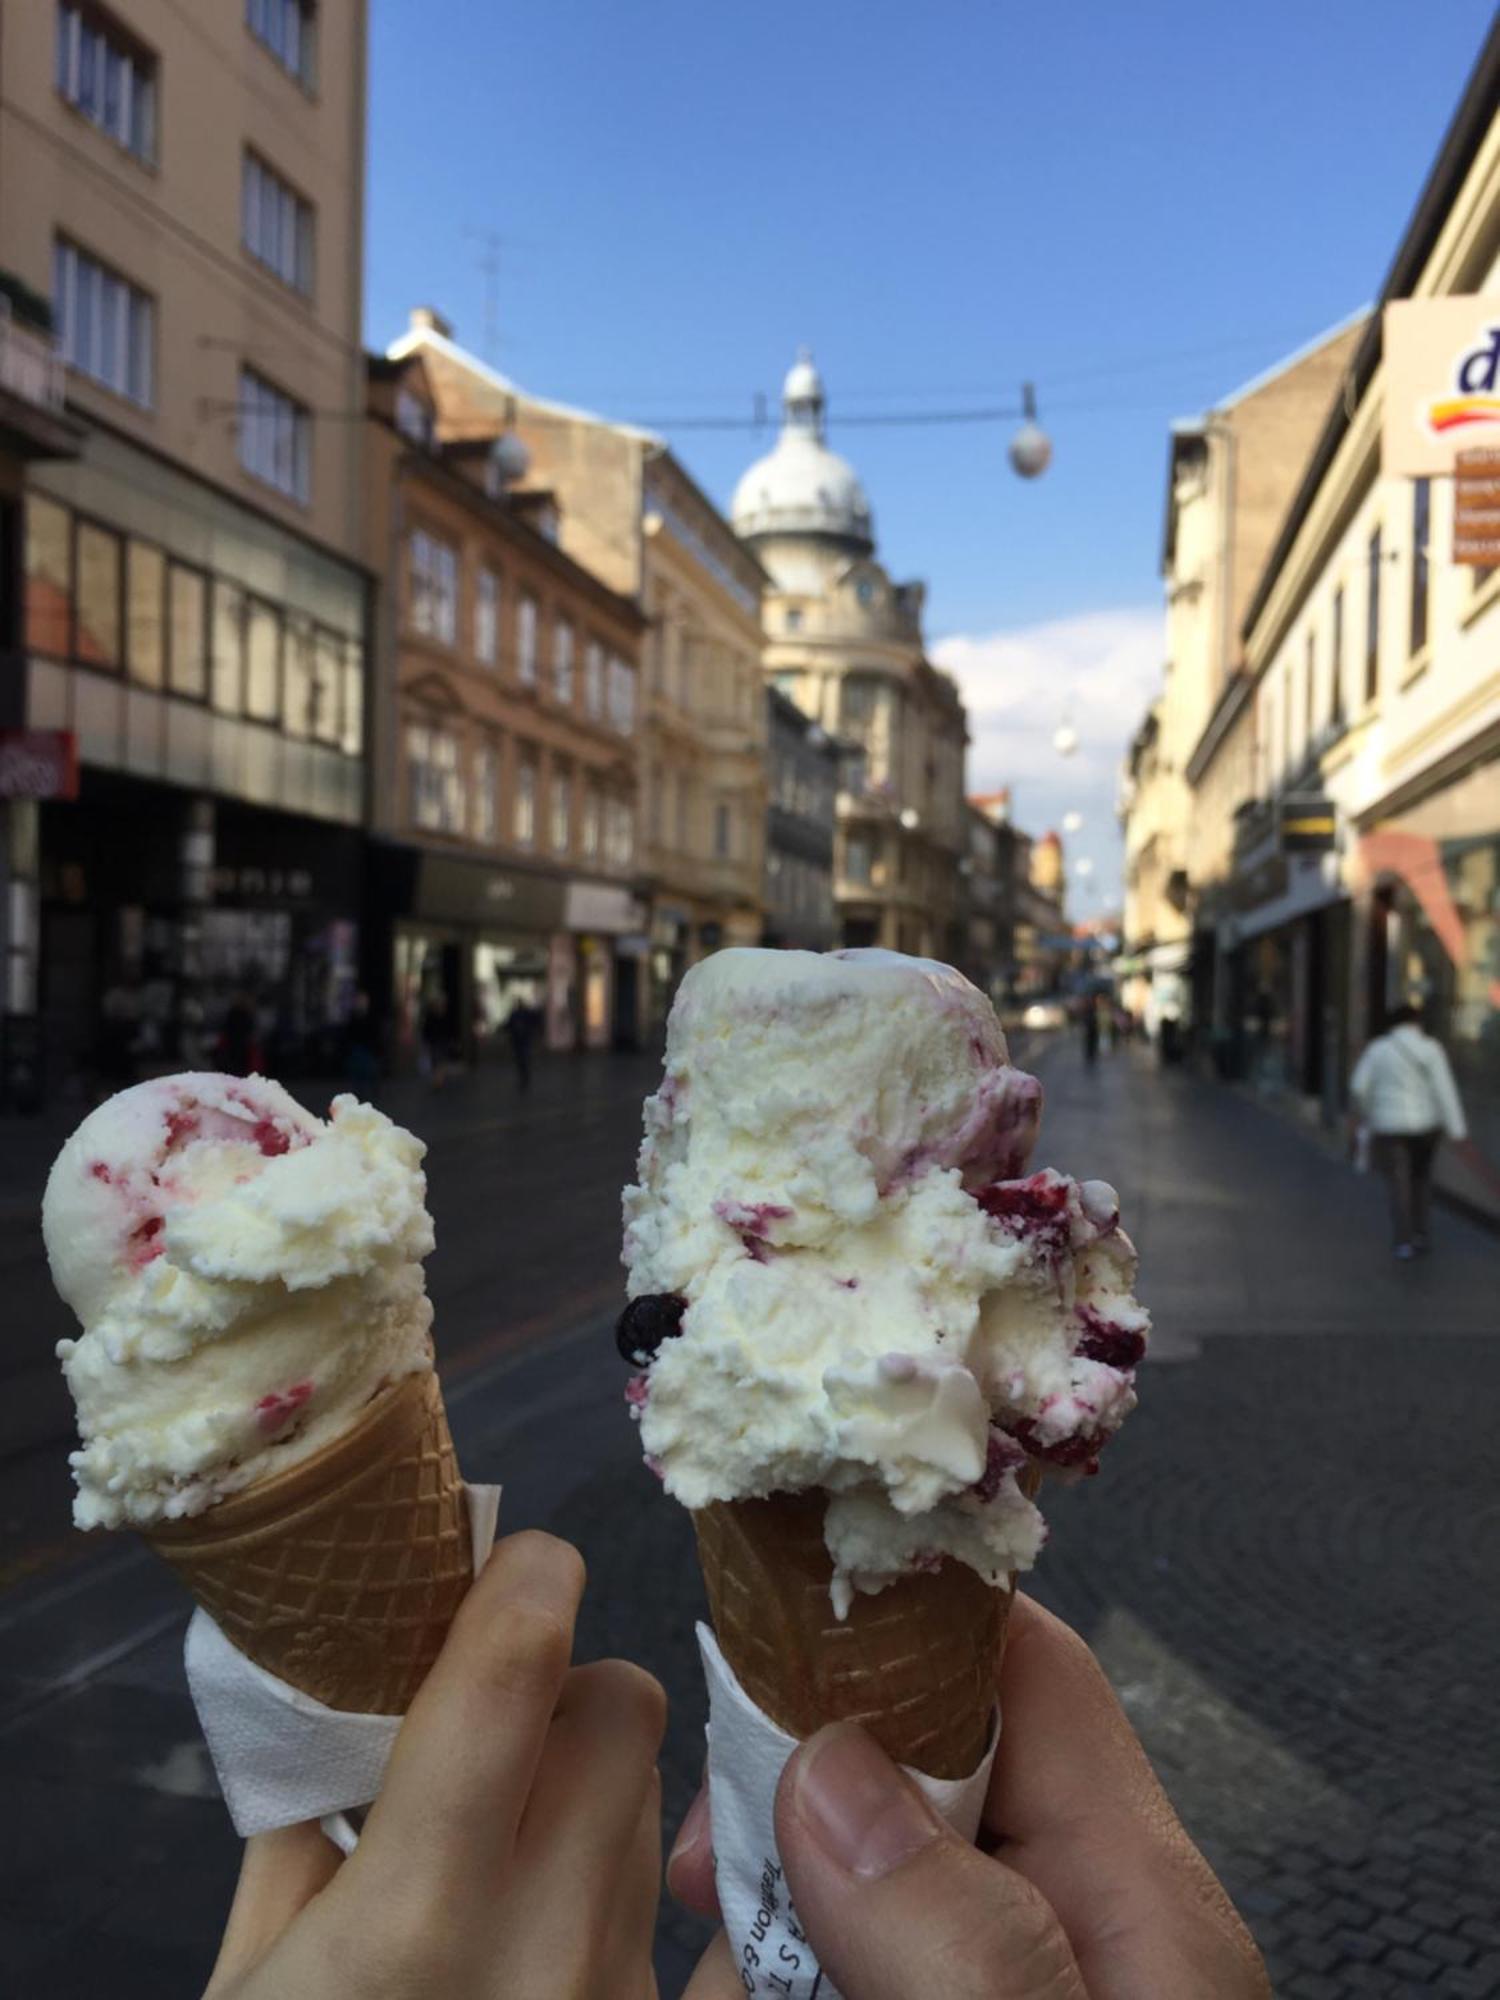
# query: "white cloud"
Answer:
x=1097 y=671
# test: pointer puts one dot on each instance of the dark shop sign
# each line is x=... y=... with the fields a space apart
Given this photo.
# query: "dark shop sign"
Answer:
x=1308 y=825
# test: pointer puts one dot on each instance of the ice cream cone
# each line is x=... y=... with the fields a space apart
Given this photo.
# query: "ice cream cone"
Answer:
x=915 y=1663
x=342 y=1574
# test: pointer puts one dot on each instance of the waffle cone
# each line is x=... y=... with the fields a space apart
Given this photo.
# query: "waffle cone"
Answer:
x=915 y=1663
x=342 y=1574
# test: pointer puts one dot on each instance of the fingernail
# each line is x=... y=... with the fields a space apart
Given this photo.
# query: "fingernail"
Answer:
x=858 y=1807
x=693 y=1831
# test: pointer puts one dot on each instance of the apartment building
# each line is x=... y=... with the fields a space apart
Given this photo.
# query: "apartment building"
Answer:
x=1371 y=660
x=803 y=773
x=845 y=643
x=184 y=189
x=1231 y=473
x=505 y=866
x=631 y=513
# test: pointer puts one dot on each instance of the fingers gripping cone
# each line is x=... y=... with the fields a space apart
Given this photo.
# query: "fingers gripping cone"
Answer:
x=342 y=1575
x=915 y=1663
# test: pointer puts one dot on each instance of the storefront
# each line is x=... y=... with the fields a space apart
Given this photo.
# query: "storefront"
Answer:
x=162 y=912
x=478 y=941
x=1284 y=958
x=1430 y=882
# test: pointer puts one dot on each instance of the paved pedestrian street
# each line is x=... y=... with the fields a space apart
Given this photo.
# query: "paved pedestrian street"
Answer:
x=1287 y=1564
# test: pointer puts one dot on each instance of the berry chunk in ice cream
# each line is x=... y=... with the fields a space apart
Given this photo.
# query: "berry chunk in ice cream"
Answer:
x=871 y=1295
x=247 y=1277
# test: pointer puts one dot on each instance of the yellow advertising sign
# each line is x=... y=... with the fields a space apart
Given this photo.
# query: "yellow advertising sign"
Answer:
x=1442 y=381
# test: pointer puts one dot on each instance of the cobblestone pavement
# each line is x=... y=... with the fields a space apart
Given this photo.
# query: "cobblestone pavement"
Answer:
x=1287 y=1565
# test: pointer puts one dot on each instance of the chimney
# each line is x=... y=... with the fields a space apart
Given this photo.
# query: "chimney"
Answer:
x=427 y=319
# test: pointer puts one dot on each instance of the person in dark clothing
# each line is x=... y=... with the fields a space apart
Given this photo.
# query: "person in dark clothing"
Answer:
x=1090 y=1030
x=237 y=1055
x=520 y=1027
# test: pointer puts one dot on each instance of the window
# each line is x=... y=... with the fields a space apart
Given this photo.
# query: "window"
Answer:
x=1286 y=720
x=96 y=634
x=106 y=327
x=49 y=577
x=1421 y=527
x=228 y=677
x=486 y=818
x=433 y=587
x=107 y=76
x=619 y=833
x=435 y=783
x=262 y=662
x=793 y=619
x=1336 y=662
x=562 y=660
x=413 y=417
x=593 y=678
x=297 y=676
x=276 y=224
x=187 y=605
x=684 y=811
x=1309 y=724
x=487 y=618
x=722 y=831
x=622 y=695
x=1372 y=620
x=275 y=437
x=526 y=802
x=858 y=860
x=286 y=28
x=327 y=688
x=146 y=614
x=592 y=823
x=562 y=808
x=526 y=641
x=352 y=732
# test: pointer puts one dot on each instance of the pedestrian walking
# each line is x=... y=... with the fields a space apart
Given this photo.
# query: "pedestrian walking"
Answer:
x=1404 y=1092
x=520 y=1027
x=1090 y=1030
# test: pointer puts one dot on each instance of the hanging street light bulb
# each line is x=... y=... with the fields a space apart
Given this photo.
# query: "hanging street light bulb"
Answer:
x=1084 y=867
x=1072 y=821
x=1030 y=448
x=1065 y=742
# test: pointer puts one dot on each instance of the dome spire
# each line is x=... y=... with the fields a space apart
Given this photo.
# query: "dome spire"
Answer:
x=802 y=398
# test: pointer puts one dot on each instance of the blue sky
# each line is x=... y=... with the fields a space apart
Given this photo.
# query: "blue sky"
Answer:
x=1137 y=207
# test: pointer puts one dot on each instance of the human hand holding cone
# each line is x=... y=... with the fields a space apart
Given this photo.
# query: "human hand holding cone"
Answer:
x=862 y=1329
x=254 y=1379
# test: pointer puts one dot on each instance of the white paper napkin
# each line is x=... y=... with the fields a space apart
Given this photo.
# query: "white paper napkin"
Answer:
x=747 y=1753
x=281 y=1756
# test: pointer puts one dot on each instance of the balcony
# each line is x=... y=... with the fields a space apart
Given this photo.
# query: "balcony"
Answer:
x=33 y=383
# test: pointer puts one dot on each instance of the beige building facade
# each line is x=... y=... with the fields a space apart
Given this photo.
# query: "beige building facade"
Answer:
x=1231 y=474
x=505 y=861
x=629 y=512
x=184 y=187
x=845 y=643
x=1373 y=661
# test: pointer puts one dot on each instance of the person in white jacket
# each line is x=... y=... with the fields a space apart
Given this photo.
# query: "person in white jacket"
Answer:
x=1404 y=1090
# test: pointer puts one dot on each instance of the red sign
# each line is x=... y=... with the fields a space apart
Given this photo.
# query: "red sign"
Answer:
x=38 y=764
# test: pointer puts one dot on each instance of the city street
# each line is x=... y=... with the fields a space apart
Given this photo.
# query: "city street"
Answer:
x=1287 y=1564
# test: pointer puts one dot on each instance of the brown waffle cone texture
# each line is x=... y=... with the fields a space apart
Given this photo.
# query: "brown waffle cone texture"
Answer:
x=915 y=1663
x=342 y=1574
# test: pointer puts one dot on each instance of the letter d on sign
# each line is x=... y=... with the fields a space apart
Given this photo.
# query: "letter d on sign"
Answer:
x=1479 y=367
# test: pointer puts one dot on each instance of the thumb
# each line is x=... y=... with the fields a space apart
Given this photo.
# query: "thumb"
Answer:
x=894 y=1903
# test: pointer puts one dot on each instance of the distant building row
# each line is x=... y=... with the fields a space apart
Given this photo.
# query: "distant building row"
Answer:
x=381 y=673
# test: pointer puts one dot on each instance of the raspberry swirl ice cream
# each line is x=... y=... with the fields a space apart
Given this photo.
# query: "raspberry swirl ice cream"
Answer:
x=247 y=1277
x=842 y=1277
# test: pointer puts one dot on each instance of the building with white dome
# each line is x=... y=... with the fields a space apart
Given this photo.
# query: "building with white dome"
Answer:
x=845 y=643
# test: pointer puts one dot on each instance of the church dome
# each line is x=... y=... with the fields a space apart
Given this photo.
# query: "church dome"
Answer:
x=801 y=487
